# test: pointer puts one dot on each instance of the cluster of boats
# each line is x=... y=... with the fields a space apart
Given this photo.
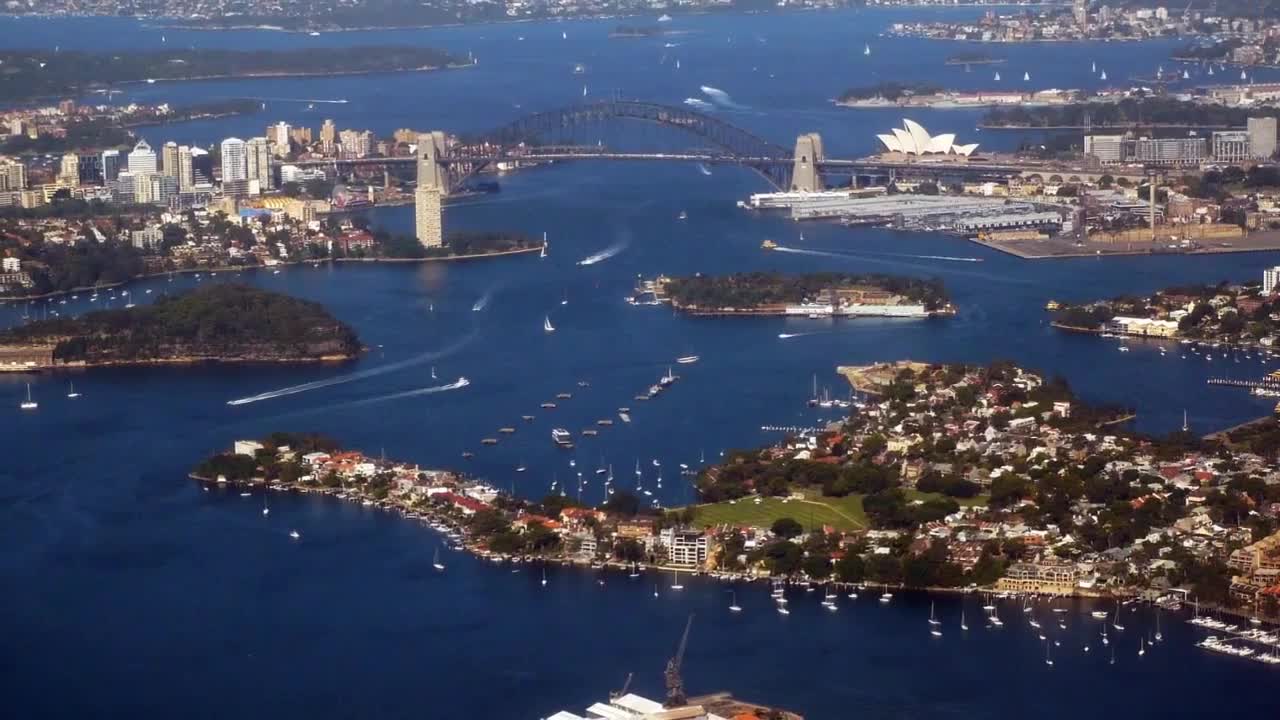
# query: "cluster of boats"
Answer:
x=1215 y=644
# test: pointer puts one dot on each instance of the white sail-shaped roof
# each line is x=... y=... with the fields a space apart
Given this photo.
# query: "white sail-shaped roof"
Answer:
x=913 y=139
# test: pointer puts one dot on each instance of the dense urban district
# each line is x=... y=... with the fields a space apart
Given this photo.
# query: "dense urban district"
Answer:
x=944 y=476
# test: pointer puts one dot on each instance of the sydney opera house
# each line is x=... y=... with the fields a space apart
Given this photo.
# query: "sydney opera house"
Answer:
x=912 y=139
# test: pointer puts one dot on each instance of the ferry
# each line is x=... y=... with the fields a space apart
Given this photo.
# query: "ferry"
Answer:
x=562 y=437
x=769 y=245
x=687 y=359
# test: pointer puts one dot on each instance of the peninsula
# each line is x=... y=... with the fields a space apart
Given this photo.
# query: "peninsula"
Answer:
x=1235 y=315
x=943 y=476
x=822 y=294
x=217 y=323
x=45 y=73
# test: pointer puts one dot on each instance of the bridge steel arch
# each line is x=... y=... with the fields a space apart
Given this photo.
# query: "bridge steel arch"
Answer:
x=730 y=144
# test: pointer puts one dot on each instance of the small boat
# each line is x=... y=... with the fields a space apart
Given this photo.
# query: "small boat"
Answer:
x=546 y=324
x=1026 y=77
x=963 y=625
x=675 y=581
x=997 y=76
x=687 y=359
x=295 y=534
x=683 y=215
x=544 y=577
x=624 y=417
x=1047 y=660
x=782 y=610
x=1116 y=623
x=1103 y=76
x=435 y=562
x=71 y=391
x=933 y=620
x=866 y=49
x=29 y=404
x=266 y=507
x=733 y=604
x=1142 y=647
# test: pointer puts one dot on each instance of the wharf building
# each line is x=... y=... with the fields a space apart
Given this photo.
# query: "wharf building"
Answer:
x=1143 y=327
x=1165 y=152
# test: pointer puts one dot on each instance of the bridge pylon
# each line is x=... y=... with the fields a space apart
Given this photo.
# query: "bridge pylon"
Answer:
x=804 y=172
x=433 y=186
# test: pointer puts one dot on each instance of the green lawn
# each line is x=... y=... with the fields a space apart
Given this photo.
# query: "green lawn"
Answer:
x=844 y=513
x=840 y=513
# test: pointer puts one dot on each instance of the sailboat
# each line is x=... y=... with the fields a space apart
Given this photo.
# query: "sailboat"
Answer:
x=963 y=625
x=544 y=577
x=1186 y=75
x=677 y=63
x=1159 y=635
x=866 y=49
x=733 y=604
x=829 y=600
x=1026 y=76
x=433 y=372
x=564 y=36
x=1244 y=75
x=933 y=619
x=565 y=300
x=1210 y=71
x=1094 y=67
x=1116 y=624
x=546 y=324
x=1103 y=76
x=29 y=404
x=997 y=76
x=295 y=534
x=584 y=91
x=435 y=563
x=1047 y=660
x=266 y=507
x=675 y=581
x=71 y=391
x=1142 y=647
x=542 y=255
x=655 y=590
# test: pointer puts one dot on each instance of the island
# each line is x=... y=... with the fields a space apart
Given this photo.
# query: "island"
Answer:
x=828 y=294
x=883 y=94
x=226 y=323
x=33 y=74
x=943 y=476
x=1224 y=314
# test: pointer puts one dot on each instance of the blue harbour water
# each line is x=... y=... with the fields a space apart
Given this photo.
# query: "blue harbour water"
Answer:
x=130 y=592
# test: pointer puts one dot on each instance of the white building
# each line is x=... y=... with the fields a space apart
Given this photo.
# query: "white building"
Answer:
x=684 y=547
x=1270 y=279
x=11 y=265
x=142 y=159
x=235 y=160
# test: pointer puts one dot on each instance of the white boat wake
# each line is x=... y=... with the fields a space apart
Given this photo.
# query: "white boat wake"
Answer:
x=482 y=302
x=823 y=253
x=359 y=375
x=702 y=168
x=788 y=336
x=604 y=254
x=720 y=97
x=458 y=384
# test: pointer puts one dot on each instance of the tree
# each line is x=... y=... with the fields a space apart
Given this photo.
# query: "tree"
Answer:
x=786 y=528
x=850 y=568
x=817 y=567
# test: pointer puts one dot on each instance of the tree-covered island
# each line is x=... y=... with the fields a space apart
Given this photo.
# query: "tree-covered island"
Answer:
x=216 y=323
x=885 y=93
x=769 y=293
x=32 y=74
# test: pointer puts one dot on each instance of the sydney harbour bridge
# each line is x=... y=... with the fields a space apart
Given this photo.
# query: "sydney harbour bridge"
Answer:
x=579 y=132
